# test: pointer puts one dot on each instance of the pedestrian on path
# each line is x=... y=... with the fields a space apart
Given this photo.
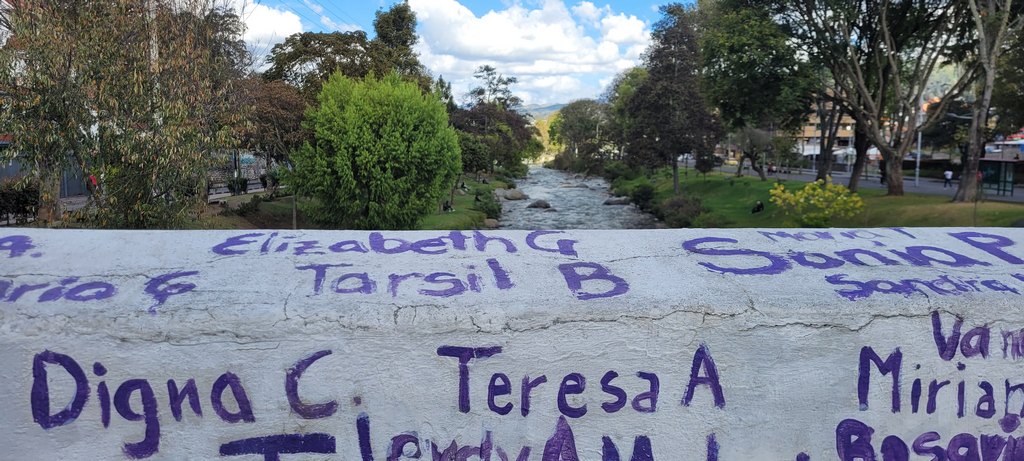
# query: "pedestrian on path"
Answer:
x=948 y=175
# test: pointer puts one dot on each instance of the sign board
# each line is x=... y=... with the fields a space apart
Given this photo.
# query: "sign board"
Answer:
x=874 y=344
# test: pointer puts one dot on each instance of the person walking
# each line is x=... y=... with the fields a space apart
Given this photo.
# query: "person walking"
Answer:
x=948 y=175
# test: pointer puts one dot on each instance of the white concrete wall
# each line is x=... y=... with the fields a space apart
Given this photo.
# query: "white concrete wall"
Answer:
x=761 y=344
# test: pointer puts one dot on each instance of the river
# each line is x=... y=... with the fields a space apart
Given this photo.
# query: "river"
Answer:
x=576 y=203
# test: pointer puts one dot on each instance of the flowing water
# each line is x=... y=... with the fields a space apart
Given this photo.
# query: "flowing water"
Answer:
x=576 y=203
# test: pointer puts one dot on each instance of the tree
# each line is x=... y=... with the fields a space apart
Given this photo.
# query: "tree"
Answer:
x=383 y=154
x=306 y=60
x=93 y=85
x=617 y=97
x=1008 y=96
x=669 y=114
x=392 y=48
x=993 y=21
x=495 y=88
x=494 y=122
x=881 y=55
x=275 y=122
x=745 y=53
x=578 y=128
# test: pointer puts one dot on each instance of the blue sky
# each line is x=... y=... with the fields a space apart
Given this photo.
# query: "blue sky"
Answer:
x=560 y=50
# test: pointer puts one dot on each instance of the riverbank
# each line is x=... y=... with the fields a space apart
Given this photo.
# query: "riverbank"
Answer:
x=260 y=211
x=577 y=203
x=728 y=201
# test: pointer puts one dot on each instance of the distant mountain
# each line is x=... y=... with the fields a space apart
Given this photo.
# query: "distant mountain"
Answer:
x=539 y=111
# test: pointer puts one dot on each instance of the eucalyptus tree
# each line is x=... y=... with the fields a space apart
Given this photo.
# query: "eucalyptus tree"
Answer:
x=93 y=85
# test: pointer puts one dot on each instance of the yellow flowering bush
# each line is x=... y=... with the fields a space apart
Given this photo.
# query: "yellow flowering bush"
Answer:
x=818 y=202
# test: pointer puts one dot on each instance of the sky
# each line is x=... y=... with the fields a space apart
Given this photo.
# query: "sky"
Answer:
x=560 y=50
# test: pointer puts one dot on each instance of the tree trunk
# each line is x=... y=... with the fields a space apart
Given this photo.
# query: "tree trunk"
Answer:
x=861 y=144
x=760 y=171
x=739 y=169
x=967 y=191
x=894 y=176
x=49 y=197
x=675 y=176
x=825 y=161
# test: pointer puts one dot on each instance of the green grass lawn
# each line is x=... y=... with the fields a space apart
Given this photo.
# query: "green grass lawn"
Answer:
x=731 y=199
x=278 y=213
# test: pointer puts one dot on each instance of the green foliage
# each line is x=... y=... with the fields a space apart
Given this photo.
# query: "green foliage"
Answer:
x=745 y=53
x=616 y=169
x=383 y=157
x=617 y=97
x=488 y=204
x=251 y=207
x=83 y=87
x=494 y=133
x=643 y=195
x=705 y=162
x=514 y=171
x=239 y=185
x=668 y=114
x=680 y=211
x=1008 y=95
x=818 y=202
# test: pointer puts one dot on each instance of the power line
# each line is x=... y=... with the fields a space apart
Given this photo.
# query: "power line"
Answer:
x=325 y=9
x=354 y=20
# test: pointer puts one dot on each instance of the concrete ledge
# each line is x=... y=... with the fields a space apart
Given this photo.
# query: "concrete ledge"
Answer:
x=590 y=345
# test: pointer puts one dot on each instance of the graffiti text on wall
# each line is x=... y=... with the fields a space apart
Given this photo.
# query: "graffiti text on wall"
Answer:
x=876 y=251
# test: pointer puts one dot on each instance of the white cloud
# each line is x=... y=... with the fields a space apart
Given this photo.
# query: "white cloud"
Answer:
x=624 y=29
x=590 y=12
x=313 y=6
x=266 y=25
x=548 y=47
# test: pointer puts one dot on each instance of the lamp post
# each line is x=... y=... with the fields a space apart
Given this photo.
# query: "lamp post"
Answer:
x=920 y=116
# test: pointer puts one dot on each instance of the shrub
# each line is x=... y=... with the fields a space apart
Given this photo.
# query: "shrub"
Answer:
x=818 y=202
x=518 y=171
x=487 y=204
x=383 y=157
x=250 y=207
x=680 y=211
x=239 y=185
x=615 y=169
x=643 y=195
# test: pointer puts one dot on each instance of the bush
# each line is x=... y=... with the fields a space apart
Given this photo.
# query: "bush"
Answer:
x=643 y=195
x=250 y=207
x=383 y=157
x=487 y=204
x=818 y=202
x=238 y=186
x=517 y=171
x=680 y=211
x=615 y=169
